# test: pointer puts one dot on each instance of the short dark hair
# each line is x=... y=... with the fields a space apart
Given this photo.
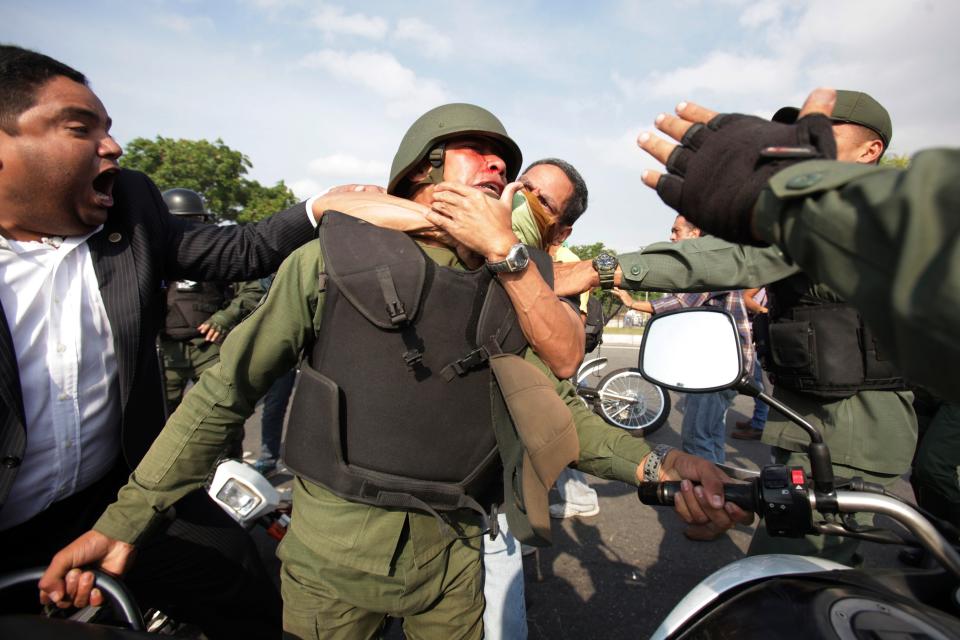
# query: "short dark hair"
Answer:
x=22 y=73
x=578 y=201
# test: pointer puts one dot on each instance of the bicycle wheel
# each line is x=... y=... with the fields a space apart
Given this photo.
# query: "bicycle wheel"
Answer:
x=628 y=401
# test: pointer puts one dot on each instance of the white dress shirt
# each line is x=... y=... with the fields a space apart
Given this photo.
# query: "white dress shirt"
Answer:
x=68 y=371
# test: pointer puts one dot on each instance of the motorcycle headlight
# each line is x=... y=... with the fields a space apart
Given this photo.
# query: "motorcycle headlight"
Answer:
x=239 y=497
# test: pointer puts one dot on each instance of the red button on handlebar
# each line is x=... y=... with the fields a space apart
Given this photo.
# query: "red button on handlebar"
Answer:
x=797 y=476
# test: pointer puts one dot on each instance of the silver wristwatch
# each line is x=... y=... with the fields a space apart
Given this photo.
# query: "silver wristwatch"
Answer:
x=517 y=260
x=651 y=468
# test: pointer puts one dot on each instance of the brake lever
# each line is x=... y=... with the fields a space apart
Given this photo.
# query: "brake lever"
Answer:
x=738 y=473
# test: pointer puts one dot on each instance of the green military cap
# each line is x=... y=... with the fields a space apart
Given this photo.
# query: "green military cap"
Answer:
x=855 y=107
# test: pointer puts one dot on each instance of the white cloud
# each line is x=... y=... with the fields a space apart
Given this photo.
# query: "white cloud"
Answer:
x=429 y=39
x=342 y=165
x=384 y=75
x=618 y=151
x=182 y=24
x=332 y=20
x=723 y=72
x=305 y=188
x=761 y=13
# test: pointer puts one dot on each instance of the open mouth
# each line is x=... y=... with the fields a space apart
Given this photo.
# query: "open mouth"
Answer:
x=491 y=188
x=103 y=187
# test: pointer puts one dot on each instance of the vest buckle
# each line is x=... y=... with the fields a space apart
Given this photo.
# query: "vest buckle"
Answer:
x=397 y=313
x=412 y=357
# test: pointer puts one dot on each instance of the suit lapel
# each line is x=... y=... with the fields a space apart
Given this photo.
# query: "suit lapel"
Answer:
x=113 y=261
x=13 y=434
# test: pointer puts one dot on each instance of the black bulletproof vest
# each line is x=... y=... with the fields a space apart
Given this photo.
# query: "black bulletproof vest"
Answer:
x=190 y=304
x=394 y=405
x=813 y=344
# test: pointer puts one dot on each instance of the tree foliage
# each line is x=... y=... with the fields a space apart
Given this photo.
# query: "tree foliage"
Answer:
x=898 y=160
x=611 y=303
x=213 y=170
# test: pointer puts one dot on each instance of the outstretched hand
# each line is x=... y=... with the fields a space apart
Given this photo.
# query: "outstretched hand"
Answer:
x=722 y=162
x=66 y=584
x=474 y=219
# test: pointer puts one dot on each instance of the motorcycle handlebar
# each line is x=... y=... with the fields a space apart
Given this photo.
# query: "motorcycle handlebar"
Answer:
x=112 y=588
x=663 y=493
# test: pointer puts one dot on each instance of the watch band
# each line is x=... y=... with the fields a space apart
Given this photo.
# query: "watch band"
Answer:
x=651 y=468
x=517 y=260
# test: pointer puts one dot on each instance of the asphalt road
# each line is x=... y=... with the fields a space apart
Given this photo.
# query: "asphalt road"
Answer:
x=618 y=574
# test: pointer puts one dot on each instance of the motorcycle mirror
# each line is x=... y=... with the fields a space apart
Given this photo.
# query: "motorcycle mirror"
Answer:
x=692 y=350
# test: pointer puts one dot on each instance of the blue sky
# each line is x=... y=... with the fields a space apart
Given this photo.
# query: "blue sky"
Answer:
x=320 y=93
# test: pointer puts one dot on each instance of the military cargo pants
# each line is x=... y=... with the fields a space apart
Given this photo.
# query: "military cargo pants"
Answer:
x=936 y=472
x=183 y=362
x=442 y=600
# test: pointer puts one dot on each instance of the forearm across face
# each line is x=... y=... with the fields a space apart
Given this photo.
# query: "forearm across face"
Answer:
x=380 y=209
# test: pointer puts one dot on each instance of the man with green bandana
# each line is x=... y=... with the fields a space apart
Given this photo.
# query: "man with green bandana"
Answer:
x=348 y=562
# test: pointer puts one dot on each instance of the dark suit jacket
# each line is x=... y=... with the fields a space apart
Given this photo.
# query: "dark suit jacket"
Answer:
x=141 y=245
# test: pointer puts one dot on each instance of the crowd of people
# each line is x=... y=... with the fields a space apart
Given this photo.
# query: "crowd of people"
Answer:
x=448 y=291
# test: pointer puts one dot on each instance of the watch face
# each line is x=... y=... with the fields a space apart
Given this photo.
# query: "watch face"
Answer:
x=606 y=261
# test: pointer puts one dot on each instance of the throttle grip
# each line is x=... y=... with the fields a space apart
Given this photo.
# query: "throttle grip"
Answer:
x=659 y=494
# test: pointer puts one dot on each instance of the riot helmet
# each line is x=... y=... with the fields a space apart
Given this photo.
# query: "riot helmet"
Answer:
x=184 y=202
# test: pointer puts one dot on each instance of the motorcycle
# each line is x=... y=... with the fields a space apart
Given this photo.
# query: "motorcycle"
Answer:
x=241 y=491
x=787 y=596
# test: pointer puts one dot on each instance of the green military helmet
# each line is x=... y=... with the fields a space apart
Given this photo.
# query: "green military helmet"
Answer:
x=424 y=139
x=184 y=202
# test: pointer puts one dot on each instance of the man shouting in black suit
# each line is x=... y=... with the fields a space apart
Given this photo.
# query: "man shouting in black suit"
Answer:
x=84 y=247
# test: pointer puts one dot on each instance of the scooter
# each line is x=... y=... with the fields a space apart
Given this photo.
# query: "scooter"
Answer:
x=787 y=596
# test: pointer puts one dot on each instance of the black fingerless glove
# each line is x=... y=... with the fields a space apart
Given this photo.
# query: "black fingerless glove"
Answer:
x=715 y=176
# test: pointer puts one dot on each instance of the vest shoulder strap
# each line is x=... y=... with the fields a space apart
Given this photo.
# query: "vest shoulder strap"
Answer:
x=380 y=271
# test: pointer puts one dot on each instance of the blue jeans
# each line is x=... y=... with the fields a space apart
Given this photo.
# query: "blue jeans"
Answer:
x=274 y=410
x=704 y=430
x=760 y=408
x=505 y=614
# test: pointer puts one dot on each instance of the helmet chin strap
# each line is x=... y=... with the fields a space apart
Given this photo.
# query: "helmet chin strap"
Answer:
x=436 y=158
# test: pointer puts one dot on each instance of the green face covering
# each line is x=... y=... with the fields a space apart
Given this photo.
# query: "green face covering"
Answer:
x=525 y=222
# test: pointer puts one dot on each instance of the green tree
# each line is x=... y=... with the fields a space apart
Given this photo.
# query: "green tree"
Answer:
x=611 y=303
x=213 y=170
x=898 y=160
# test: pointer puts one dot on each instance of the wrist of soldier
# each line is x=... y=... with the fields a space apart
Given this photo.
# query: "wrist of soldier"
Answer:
x=500 y=247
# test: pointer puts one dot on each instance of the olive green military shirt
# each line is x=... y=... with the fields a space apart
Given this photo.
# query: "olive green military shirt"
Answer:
x=888 y=241
x=871 y=430
x=266 y=345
